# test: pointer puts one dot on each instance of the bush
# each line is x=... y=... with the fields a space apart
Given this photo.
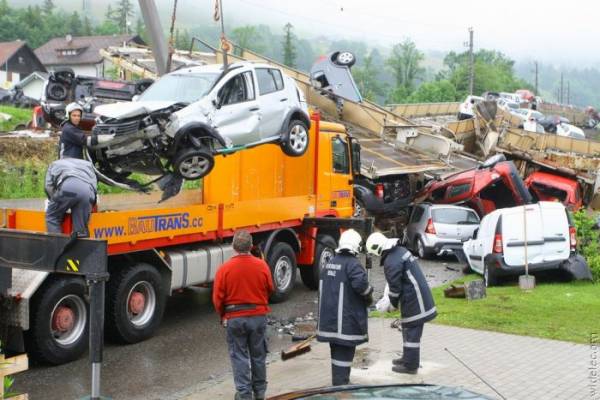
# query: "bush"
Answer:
x=588 y=241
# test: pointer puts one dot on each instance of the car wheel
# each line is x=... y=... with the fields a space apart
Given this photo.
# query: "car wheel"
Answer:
x=420 y=248
x=295 y=140
x=344 y=58
x=59 y=321
x=489 y=277
x=57 y=91
x=282 y=261
x=135 y=303
x=192 y=164
x=360 y=211
x=324 y=251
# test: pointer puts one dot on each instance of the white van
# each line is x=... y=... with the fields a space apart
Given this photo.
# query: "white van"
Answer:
x=498 y=246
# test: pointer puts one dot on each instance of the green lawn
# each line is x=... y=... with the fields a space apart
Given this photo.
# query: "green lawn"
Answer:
x=19 y=116
x=564 y=311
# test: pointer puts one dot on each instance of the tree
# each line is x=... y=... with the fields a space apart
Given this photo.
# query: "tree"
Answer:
x=434 y=92
x=140 y=28
x=123 y=14
x=247 y=37
x=367 y=79
x=48 y=6
x=289 y=49
x=405 y=62
x=75 y=25
x=88 y=30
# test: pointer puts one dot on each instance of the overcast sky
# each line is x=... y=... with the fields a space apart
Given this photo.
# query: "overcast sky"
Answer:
x=560 y=32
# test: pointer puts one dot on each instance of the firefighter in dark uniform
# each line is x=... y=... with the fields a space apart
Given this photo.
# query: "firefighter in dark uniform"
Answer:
x=344 y=295
x=241 y=297
x=70 y=184
x=72 y=138
x=408 y=287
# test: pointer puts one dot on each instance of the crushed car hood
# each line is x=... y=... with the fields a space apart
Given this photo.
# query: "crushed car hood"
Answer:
x=130 y=109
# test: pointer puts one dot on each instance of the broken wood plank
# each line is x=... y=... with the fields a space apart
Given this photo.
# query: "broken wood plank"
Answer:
x=297 y=349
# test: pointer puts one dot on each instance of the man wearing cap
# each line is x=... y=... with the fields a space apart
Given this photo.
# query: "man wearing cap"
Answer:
x=241 y=295
x=344 y=295
x=408 y=287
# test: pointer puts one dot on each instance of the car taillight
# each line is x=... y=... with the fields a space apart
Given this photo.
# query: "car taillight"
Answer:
x=498 y=243
x=430 y=228
x=573 y=237
x=379 y=190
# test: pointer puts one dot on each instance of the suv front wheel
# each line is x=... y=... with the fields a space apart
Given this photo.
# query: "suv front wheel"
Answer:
x=294 y=141
x=192 y=164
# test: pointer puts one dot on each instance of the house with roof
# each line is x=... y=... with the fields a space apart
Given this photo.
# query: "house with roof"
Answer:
x=17 y=61
x=82 y=53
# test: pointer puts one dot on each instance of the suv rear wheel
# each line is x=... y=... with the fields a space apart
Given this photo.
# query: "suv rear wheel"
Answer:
x=295 y=139
x=419 y=247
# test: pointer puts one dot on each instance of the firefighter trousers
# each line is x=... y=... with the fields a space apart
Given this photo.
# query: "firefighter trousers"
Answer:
x=341 y=363
x=411 y=355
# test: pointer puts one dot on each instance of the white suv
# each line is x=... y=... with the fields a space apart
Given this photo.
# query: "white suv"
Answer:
x=190 y=115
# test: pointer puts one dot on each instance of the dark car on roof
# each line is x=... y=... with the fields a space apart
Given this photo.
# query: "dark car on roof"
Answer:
x=494 y=184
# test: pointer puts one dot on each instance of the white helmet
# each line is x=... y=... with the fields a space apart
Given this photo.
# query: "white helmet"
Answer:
x=350 y=240
x=377 y=243
x=73 y=107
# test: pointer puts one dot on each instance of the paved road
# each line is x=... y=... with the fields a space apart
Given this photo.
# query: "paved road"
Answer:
x=188 y=351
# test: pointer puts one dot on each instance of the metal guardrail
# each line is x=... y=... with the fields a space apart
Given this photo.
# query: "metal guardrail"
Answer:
x=424 y=109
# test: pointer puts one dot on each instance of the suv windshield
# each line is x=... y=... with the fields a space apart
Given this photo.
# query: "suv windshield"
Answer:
x=182 y=88
x=454 y=216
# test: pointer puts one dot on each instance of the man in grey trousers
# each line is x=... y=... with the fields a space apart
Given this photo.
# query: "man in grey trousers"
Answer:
x=241 y=297
x=70 y=184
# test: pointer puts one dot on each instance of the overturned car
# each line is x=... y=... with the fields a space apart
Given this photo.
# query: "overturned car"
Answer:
x=184 y=119
x=64 y=86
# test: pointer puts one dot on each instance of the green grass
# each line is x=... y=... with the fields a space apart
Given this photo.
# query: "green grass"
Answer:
x=563 y=311
x=19 y=116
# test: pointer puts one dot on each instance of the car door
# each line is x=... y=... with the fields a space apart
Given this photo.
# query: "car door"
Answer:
x=237 y=115
x=341 y=177
x=272 y=100
x=556 y=232
x=475 y=249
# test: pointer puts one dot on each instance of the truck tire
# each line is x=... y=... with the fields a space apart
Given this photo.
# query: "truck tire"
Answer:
x=135 y=303
x=59 y=325
x=324 y=251
x=282 y=261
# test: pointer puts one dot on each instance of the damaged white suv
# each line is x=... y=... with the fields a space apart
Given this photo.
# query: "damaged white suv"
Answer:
x=188 y=116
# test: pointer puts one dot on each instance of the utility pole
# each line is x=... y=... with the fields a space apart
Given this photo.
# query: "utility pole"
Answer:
x=568 y=92
x=536 y=79
x=562 y=92
x=471 y=62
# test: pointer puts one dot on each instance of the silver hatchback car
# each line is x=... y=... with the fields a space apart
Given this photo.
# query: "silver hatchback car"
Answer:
x=433 y=228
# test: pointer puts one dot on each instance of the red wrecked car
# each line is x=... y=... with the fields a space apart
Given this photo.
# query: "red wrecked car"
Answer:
x=492 y=185
x=550 y=187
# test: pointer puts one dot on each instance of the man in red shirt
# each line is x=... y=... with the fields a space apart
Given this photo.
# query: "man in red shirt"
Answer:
x=241 y=297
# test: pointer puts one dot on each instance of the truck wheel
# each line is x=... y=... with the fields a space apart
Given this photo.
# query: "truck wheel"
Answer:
x=59 y=321
x=192 y=164
x=360 y=211
x=135 y=303
x=282 y=261
x=294 y=141
x=324 y=251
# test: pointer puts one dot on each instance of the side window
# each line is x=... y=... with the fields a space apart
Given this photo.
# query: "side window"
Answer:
x=341 y=161
x=458 y=190
x=438 y=194
x=237 y=90
x=269 y=80
x=417 y=214
x=277 y=77
x=249 y=85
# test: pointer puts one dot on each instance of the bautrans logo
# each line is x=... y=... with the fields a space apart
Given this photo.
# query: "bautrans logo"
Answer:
x=150 y=224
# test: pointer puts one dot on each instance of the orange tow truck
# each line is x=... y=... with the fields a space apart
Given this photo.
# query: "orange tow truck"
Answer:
x=293 y=206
